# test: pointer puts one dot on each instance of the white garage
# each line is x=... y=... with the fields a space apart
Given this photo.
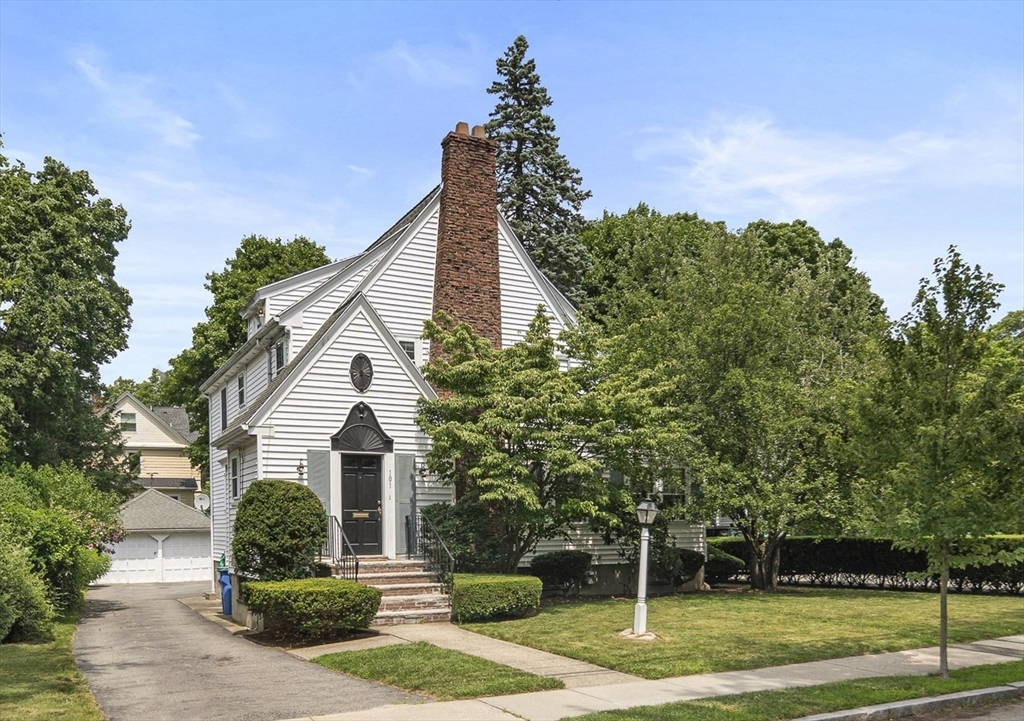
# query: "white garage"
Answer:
x=166 y=541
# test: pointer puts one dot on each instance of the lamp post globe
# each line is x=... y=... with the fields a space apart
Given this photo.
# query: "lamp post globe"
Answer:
x=646 y=511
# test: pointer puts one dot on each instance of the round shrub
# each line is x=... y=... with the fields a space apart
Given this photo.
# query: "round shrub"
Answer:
x=479 y=597
x=280 y=528
x=314 y=607
x=721 y=566
x=25 y=614
x=690 y=563
x=562 y=569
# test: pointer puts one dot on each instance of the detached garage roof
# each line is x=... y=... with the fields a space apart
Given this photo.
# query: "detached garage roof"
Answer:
x=153 y=511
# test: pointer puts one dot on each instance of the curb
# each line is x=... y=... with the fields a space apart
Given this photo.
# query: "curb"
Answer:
x=211 y=612
x=899 y=709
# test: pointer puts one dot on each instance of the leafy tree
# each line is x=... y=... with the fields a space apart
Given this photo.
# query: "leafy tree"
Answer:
x=257 y=262
x=149 y=391
x=62 y=316
x=754 y=355
x=539 y=192
x=521 y=433
x=943 y=431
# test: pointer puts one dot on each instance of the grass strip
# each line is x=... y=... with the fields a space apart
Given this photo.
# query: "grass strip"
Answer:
x=437 y=672
x=728 y=631
x=39 y=681
x=797 y=702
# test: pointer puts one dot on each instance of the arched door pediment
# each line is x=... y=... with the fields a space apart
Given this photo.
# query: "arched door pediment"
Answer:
x=362 y=433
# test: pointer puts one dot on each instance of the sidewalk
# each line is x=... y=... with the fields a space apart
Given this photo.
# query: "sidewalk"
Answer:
x=622 y=691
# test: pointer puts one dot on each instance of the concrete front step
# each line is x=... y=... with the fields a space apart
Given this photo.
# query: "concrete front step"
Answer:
x=422 y=615
x=408 y=589
x=437 y=602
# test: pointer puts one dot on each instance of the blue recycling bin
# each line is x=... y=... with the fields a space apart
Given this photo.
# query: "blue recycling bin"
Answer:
x=225 y=592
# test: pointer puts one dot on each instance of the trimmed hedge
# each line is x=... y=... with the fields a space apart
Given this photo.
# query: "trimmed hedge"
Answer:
x=874 y=563
x=564 y=570
x=479 y=597
x=720 y=566
x=314 y=607
x=280 y=528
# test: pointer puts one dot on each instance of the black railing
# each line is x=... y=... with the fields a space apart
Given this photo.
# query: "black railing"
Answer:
x=339 y=551
x=423 y=540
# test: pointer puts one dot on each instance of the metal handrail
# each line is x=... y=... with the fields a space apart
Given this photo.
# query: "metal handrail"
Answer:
x=340 y=551
x=435 y=552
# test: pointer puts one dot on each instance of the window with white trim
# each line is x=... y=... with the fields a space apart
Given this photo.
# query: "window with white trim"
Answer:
x=409 y=346
x=128 y=422
x=241 y=389
x=234 y=476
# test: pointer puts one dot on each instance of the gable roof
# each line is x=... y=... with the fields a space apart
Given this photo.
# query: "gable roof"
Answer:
x=262 y=404
x=171 y=419
x=153 y=511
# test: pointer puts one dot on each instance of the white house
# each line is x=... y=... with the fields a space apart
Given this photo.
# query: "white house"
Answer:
x=324 y=390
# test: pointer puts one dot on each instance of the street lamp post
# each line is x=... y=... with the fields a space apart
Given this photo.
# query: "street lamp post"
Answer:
x=646 y=510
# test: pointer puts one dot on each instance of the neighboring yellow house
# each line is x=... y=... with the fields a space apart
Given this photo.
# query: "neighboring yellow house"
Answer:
x=155 y=442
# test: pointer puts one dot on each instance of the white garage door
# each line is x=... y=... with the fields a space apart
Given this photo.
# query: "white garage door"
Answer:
x=160 y=558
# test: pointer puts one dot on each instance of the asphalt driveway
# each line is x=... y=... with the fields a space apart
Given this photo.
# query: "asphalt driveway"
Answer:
x=148 y=658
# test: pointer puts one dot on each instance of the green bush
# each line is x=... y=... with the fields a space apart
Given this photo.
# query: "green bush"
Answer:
x=92 y=565
x=25 y=614
x=280 y=528
x=690 y=563
x=564 y=570
x=479 y=597
x=721 y=566
x=463 y=526
x=313 y=607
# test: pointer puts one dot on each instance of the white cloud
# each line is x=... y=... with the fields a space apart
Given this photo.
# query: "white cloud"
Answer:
x=750 y=165
x=434 y=66
x=128 y=99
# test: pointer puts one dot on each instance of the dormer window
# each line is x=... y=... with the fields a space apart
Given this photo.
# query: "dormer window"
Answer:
x=128 y=422
x=276 y=359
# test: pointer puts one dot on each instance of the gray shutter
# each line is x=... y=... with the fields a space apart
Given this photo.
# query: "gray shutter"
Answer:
x=405 y=497
x=318 y=464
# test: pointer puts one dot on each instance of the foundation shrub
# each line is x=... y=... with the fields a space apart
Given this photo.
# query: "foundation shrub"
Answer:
x=280 y=528
x=563 y=570
x=481 y=597
x=463 y=526
x=690 y=563
x=314 y=607
x=721 y=566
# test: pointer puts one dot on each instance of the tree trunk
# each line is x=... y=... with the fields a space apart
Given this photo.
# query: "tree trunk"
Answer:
x=763 y=560
x=943 y=617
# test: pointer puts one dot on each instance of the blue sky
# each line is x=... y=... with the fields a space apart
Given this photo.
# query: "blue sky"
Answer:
x=898 y=127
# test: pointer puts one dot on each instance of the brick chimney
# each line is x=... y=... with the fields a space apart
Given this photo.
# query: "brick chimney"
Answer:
x=466 y=276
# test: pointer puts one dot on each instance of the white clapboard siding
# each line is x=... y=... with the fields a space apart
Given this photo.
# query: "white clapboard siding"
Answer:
x=581 y=538
x=256 y=377
x=307 y=320
x=520 y=295
x=219 y=493
x=403 y=293
x=318 y=403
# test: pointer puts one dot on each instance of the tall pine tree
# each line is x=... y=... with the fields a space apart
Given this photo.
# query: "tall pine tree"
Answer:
x=539 y=192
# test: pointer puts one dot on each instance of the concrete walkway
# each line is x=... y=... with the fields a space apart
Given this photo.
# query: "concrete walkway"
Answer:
x=573 y=673
x=583 y=699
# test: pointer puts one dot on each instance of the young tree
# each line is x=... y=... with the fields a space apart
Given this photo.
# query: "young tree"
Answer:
x=756 y=355
x=149 y=391
x=62 y=316
x=257 y=262
x=539 y=192
x=520 y=431
x=943 y=431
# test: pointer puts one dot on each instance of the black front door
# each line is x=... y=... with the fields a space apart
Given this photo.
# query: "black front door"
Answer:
x=360 y=503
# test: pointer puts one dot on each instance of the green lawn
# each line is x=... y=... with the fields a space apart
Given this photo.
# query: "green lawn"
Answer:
x=39 y=681
x=797 y=702
x=707 y=632
x=437 y=672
